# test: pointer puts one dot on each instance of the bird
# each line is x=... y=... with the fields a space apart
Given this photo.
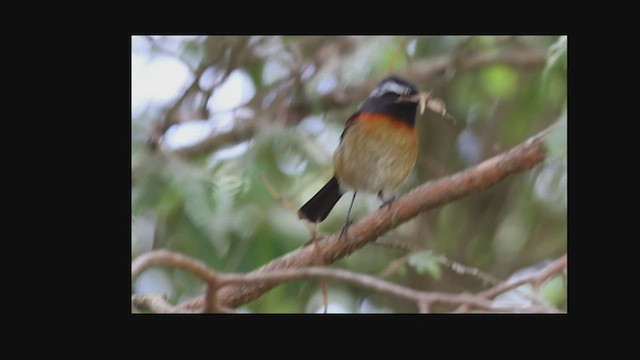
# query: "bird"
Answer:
x=377 y=150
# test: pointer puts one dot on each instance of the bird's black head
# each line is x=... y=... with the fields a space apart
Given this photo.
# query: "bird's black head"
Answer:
x=393 y=87
x=384 y=99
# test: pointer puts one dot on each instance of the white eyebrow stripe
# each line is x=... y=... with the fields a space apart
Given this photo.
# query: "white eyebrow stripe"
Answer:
x=390 y=86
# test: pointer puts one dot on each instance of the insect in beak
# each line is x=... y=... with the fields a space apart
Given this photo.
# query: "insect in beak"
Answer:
x=420 y=98
x=425 y=101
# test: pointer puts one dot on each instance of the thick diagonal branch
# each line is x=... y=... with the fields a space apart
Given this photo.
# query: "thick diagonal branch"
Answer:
x=423 y=198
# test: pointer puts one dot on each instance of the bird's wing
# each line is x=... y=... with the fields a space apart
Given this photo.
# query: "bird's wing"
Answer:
x=350 y=121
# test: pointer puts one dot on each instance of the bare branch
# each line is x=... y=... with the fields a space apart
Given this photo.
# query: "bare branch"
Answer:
x=468 y=270
x=423 y=300
x=277 y=196
x=455 y=266
x=536 y=278
x=169 y=258
x=151 y=302
x=393 y=266
x=215 y=141
x=237 y=47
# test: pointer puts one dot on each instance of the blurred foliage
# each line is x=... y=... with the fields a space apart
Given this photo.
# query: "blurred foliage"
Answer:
x=425 y=263
x=216 y=207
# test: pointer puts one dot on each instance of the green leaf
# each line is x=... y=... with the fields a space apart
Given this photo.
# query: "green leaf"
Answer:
x=557 y=140
x=553 y=291
x=426 y=262
x=386 y=55
x=555 y=52
x=499 y=80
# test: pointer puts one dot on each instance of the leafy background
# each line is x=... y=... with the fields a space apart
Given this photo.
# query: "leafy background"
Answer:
x=280 y=99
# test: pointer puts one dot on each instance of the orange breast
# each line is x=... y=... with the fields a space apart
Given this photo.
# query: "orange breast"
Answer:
x=376 y=154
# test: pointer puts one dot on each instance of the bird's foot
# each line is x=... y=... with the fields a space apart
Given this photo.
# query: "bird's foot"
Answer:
x=345 y=229
x=387 y=202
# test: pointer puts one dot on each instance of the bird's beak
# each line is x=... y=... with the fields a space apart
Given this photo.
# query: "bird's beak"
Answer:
x=420 y=98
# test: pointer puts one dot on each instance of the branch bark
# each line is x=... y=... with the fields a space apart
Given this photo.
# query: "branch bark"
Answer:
x=423 y=198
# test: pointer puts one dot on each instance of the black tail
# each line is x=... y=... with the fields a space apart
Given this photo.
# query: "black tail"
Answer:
x=320 y=205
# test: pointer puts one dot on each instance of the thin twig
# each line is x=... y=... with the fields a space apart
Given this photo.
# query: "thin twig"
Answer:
x=455 y=266
x=467 y=270
x=279 y=197
x=155 y=46
x=242 y=132
x=555 y=267
x=393 y=266
x=170 y=118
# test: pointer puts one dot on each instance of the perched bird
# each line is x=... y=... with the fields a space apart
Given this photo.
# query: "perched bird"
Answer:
x=377 y=150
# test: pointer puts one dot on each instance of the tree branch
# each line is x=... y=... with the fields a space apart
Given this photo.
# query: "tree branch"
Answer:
x=165 y=257
x=153 y=303
x=422 y=299
x=423 y=198
x=536 y=278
